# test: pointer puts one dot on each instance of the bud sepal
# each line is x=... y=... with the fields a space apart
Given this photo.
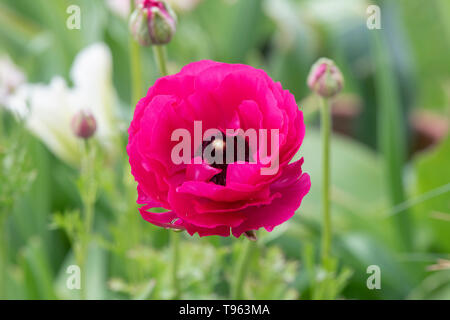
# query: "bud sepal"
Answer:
x=325 y=78
x=153 y=22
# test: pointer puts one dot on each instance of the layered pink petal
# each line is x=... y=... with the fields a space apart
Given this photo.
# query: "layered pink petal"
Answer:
x=279 y=211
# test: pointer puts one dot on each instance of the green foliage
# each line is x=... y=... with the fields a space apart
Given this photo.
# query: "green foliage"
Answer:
x=433 y=178
x=44 y=202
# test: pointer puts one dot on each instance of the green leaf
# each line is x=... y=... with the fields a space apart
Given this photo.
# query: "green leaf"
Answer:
x=37 y=272
x=96 y=275
x=433 y=175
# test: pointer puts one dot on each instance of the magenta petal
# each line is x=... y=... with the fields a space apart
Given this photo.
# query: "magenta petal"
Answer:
x=220 y=193
x=201 y=172
x=250 y=114
x=245 y=173
x=222 y=96
x=161 y=219
x=203 y=232
x=207 y=206
x=290 y=175
x=143 y=198
x=279 y=211
x=184 y=206
x=195 y=68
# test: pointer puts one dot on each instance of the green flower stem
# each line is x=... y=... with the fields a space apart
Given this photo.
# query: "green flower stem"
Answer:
x=326 y=129
x=443 y=7
x=242 y=266
x=3 y=255
x=175 y=246
x=88 y=191
x=1 y=126
x=135 y=66
x=136 y=71
x=160 y=59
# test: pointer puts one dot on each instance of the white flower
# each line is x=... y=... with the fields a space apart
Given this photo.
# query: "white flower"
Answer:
x=91 y=74
x=119 y=7
x=300 y=18
x=10 y=78
x=337 y=12
x=47 y=110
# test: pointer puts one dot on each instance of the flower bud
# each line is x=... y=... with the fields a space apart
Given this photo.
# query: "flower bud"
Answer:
x=325 y=78
x=83 y=124
x=152 y=22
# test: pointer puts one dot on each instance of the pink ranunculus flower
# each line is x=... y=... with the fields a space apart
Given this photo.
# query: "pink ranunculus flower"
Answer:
x=209 y=198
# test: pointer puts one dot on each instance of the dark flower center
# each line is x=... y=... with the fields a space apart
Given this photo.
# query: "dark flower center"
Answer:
x=216 y=154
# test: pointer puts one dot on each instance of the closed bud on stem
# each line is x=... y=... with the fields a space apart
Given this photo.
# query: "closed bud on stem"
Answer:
x=325 y=78
x=153 y=22
x=84 y=124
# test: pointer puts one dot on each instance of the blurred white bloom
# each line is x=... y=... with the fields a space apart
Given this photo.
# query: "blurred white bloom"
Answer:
x=17 y=102
x=47 y=110
x=10 y=78
x=91 y=74
x=302 y=17
x=119 y=7
x=337 y=12
x=51 y=108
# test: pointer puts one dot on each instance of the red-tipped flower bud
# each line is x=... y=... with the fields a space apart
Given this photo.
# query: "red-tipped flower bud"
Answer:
x=84 y=124
x=325 y=78
x=153 y=22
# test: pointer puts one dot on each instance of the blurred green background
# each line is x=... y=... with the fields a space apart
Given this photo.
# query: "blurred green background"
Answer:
x=390 y=154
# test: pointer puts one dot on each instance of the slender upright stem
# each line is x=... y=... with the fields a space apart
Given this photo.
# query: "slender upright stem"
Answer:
x=3 y=238
x=175 y=244
x=240 y=274
x=1 y=125
x=3 y=255
x=136 y=71
x=135 y=66
x=325 y=128
x=160 y=59
x=88 y=195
